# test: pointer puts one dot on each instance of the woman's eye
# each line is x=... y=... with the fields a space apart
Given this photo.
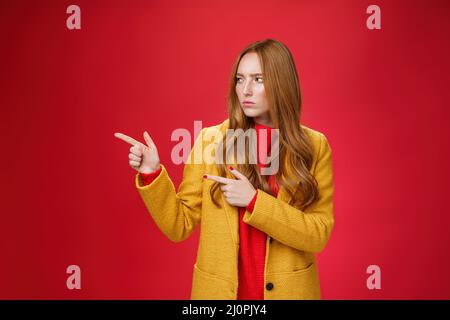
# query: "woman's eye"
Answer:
x=258 y=78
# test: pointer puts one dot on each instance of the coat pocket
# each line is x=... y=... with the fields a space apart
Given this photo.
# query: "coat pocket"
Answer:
x=301 y=284
x=206 y=286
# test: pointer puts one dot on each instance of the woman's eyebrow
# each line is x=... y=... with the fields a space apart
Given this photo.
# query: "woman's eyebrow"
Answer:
x=253 y=74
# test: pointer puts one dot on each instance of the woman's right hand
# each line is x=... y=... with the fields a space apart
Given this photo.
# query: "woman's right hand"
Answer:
x=143 y=158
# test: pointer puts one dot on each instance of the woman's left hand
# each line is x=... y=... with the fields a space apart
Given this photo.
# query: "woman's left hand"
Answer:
x=238 y=192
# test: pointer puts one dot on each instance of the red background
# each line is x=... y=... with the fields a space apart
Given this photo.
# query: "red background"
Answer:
x=68 y=195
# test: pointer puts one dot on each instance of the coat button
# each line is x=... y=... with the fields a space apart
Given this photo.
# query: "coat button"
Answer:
x=269 y=286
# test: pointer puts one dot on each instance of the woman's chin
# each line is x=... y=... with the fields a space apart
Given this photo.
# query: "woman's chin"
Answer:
x=249 y=112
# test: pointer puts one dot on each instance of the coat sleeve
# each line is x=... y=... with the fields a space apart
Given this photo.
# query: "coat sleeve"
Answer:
x=176 y=213
x=307 y=230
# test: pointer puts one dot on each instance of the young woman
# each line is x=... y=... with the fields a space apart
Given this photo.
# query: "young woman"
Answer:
x=259 y=233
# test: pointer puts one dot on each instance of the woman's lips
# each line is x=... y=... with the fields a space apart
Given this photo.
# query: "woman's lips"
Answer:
x=248 y=104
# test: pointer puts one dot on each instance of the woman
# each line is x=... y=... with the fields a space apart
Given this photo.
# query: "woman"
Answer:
x=259 y=232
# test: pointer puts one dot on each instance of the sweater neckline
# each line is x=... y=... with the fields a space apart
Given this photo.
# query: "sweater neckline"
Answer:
x=261 y=126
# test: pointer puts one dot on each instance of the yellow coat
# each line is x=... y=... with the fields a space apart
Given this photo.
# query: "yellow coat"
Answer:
x=293 y=236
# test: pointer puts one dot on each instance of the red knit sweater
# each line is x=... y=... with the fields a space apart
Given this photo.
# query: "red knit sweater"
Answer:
x=252 y=242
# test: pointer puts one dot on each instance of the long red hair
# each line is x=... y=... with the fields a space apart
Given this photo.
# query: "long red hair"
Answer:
x=282 y=89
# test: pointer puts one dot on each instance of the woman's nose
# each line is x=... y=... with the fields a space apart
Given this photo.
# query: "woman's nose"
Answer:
x=247 y=88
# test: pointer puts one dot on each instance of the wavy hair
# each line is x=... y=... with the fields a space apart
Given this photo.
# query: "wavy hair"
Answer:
x=282 y=90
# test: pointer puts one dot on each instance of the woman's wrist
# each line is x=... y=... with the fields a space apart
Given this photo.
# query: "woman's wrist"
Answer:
x=252 y=202
x=150 y=171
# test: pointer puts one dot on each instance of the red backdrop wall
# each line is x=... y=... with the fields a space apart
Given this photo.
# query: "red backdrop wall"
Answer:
x=380 y=96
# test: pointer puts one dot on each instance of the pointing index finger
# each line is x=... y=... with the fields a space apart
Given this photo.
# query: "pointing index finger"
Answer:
x=126 y=138
x=218 y=178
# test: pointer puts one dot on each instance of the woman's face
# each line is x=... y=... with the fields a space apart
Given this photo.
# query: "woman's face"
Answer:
x=250 y=87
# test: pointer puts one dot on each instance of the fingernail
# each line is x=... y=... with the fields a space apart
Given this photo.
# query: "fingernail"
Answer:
x=231 y=168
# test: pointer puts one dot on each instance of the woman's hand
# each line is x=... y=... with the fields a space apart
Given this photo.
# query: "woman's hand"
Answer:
x=238 y=192
x=143 y=158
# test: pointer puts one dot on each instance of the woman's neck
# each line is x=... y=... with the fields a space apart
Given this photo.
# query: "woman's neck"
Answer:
x=265 y=125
